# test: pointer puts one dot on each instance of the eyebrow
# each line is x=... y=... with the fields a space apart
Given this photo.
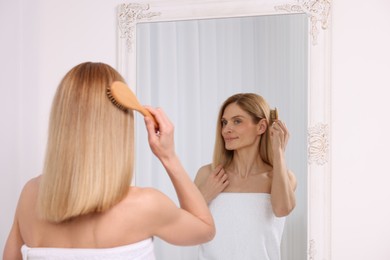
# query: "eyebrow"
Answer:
x=234 y=117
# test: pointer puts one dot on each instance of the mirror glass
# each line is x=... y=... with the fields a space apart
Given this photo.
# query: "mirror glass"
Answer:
x=190 y=67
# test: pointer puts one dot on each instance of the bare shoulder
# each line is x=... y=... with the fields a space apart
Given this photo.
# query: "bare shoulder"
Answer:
x=29 y=192
x=205 y=169
x=138 y=194
x=202 y=174
x=154 y=208
x=32 y=184
x=147 y=198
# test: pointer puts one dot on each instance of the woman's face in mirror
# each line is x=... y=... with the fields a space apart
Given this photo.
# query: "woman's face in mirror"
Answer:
x=238 y=128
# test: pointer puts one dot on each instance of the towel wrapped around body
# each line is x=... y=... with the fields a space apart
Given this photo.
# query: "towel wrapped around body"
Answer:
x=246 y=228
x=142 y=250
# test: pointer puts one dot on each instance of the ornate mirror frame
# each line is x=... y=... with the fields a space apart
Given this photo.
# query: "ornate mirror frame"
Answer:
x=319 y=110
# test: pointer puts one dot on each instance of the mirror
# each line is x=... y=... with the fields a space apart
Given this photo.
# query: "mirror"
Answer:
x=190 y=67
x=159 y=48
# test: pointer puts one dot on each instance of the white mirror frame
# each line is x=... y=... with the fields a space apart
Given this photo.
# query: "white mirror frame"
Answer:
x=319 y=110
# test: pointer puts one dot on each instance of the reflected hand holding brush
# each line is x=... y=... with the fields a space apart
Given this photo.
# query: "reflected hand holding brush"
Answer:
x=122 y=97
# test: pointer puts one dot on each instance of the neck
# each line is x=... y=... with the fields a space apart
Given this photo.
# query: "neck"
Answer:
x=246 y=163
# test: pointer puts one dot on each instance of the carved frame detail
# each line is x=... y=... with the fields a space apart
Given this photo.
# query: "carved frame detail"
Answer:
x=317 y=10
x=312 y=249
x=128 y=16
x=318 y=144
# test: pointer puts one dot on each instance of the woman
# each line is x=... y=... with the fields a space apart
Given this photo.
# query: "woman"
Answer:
x=248 y=186
x=83 y=206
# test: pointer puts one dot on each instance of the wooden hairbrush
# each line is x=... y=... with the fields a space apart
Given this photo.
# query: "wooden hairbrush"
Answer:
x=122 y=97
x=274 y=115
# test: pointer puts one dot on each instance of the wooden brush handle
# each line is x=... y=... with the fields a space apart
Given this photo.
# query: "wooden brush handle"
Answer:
x=145 y=112
x=274 y=115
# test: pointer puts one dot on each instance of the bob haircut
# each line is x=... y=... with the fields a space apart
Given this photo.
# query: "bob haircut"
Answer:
x=90 y=149
x=256 y=106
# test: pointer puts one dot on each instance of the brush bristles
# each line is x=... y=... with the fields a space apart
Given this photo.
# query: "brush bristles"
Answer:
x=113 y=100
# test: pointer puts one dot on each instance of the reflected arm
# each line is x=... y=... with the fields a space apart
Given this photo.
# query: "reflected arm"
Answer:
x=283 y=181
x=283 y=187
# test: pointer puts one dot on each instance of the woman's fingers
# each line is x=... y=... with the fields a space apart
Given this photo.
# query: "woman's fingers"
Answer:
x=224 y=178
x=161 y=141
x=150 y=128
x=165 y=125
x=220 y=174
x=219 y=171
x=279 y=133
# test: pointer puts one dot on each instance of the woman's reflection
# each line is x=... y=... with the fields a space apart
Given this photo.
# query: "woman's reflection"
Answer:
x=248 y=186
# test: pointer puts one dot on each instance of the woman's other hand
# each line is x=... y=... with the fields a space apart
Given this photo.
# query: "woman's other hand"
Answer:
x=211 y=182
x=279 y=135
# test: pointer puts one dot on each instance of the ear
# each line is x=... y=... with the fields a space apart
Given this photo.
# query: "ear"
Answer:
x=262 y=126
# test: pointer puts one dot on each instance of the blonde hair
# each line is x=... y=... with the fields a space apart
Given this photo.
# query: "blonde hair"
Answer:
x=256 y=106
x=90 y=151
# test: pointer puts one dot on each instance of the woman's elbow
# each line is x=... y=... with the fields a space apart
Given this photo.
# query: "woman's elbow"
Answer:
x=283 y=211
x=202 y=236
x=210 y=233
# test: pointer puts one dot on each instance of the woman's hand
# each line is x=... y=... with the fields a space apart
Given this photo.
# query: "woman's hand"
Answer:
x=161 y=141
x=212 y=183
x=279 y=135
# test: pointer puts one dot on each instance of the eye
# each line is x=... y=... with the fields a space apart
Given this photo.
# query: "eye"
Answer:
x=223 y=122
x=237 y=121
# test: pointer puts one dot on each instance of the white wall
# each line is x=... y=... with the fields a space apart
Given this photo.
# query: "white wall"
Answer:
x=40 y=40
x=361 y=130
x=9 y=112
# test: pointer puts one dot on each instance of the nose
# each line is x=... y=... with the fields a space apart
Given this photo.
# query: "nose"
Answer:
x=227 y=128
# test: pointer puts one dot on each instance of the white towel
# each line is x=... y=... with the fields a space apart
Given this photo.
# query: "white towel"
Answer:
x=142 y=250
x=246 y=228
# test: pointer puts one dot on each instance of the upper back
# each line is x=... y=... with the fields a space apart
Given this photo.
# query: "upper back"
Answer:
x=125 y=223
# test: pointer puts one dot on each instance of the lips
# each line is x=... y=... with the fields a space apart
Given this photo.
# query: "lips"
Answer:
x=228 y=139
